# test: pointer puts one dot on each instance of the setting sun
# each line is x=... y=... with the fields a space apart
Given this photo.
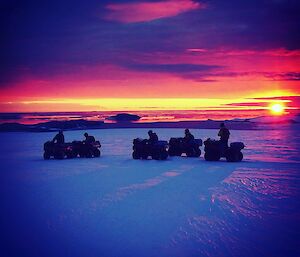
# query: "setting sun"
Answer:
x=277 y=109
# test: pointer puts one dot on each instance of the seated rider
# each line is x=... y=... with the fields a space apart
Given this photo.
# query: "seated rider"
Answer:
x=89 y=139
x=59 y=138
x=152 y=137
x=188 y=137
x=224 y=135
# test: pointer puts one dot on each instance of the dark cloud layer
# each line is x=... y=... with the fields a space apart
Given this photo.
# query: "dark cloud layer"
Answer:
x=288 y=76
x=271 y=76
x=40 y=36
x=289 y=101
x=182 y=68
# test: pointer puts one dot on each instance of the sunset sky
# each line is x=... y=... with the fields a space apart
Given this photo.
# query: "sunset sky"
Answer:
x=142 y=55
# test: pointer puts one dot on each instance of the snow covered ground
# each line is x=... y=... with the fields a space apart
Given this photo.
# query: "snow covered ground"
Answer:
x=117 y=206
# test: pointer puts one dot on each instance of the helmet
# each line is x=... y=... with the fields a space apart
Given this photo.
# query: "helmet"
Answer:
x=85 y=134
x=186 y=131
x=150 y=132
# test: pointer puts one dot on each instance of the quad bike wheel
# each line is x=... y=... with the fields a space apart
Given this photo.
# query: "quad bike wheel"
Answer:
x=70 y=155
x=241 y=156
x=163 y=155
x=97 y=152
x=172 y=152
x=46 y=156
x=155 y=156
x=198 y=153
x=89 y=154
x=144 y=156
x=212 y=156
x=136 y=155
x=193 y=153
x=59 y=155
x=233 y=156
x=74 y=154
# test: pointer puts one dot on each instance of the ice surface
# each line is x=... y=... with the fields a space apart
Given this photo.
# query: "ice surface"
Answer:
x=117 y=206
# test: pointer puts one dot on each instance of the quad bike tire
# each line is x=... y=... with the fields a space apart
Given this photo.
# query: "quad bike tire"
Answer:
x=74 y=154
x=198 y=153
x=241 y=156
x=81 y=154
x=193 y=153
x=136 y=155
x=163 y=155
x=173 y=152
x=46 y=156
x=97 y=152
x=89 y=154
x=59 y=155
x=70 y=155
x=155 y=156
x=233 y=156
x=212 y=156
x=144 y=156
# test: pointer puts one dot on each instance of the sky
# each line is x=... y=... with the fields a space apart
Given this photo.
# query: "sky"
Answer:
x=62 y=55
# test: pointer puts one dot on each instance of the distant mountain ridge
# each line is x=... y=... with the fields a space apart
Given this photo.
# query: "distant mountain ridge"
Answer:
x=82 y=124
x=276 y=119
x=52 y=126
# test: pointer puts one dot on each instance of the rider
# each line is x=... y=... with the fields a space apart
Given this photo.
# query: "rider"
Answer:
x=59 y=138
x=224 y=135
x=89 y=139
x=188 y=137
x=152 y=137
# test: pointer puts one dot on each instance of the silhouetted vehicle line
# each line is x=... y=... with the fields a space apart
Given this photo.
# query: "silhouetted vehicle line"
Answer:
x=71 y=150
x=215 y=150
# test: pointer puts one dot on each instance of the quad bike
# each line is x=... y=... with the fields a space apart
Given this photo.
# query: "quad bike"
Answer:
x=215 y=150
x=88 y=150
x=71 y=150
x=178 y=146
x=57 y=151
x=142 y=149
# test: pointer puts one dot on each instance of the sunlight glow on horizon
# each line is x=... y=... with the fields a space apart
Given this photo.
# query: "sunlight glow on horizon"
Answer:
x=119 y=104
x=277 y=109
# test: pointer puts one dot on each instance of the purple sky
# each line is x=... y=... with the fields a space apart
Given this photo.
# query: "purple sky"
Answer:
x=69 y=49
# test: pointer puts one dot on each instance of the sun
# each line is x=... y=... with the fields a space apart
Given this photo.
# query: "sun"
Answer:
x=277 y=109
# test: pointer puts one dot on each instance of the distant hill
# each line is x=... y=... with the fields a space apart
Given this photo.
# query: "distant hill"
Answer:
x=124 y=117
x=53 y=126
x=124 y=120
x=276 y=119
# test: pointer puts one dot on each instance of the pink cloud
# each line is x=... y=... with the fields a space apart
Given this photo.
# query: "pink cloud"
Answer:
x=148 y=11
x=281 y=52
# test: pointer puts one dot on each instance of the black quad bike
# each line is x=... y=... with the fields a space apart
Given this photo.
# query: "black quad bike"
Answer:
x=57 y=151
x=71 y=150
x=178 y=146
x=142 y=149
x=215 y=150
x=87 y=150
